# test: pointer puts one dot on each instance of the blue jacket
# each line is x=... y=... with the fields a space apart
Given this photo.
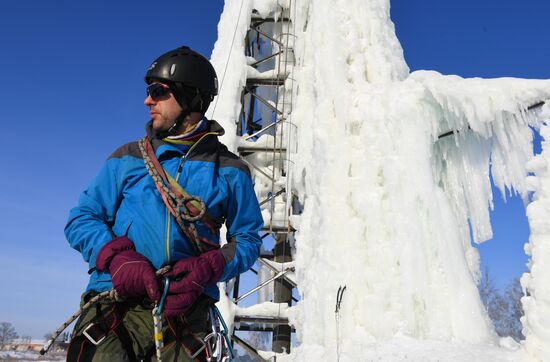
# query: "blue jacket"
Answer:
x=122 y=200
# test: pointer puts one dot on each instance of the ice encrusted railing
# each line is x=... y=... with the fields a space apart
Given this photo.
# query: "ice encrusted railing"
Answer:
x=493 y=140
x=494 y=122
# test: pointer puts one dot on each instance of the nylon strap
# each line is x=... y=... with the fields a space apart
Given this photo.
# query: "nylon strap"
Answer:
x=82 y=350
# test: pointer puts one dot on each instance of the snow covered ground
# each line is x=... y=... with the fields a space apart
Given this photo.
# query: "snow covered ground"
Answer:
x=402 y=348
x=387 y=202
x=30 y=356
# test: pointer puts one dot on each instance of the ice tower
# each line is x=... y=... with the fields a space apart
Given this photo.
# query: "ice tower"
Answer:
x=369 y=177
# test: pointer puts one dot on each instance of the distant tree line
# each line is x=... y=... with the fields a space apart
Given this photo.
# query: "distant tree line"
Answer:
x=503 y=306
x=7 y=334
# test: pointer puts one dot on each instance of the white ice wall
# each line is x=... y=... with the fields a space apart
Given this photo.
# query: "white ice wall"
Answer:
x=387 y=204
x=536 y=321
x=374 y=219
x=230 y=62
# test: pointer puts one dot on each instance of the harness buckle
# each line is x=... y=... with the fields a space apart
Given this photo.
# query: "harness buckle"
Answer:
x=88 y=333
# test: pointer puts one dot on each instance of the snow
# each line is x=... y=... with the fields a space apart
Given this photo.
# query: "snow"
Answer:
x=403 y=348
x=254 y=73
x=266 y=309
x=387 y=203
x=30 y=356
x=267 y=7
x=230 y=62
x=537 y=305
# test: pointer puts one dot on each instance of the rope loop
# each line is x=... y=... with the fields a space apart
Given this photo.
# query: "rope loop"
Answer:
x=184 y=210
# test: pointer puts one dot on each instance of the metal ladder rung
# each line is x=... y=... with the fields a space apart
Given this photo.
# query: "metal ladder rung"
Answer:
x=280 y=229
x=265 y=82
x=257 y=19
x=258 y=328
x=246 y=151
x=262 y=320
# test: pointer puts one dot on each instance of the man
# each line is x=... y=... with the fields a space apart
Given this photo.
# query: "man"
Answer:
x=161 y=202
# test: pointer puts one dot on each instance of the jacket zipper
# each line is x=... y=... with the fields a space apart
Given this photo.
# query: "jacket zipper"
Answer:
x=168 y=215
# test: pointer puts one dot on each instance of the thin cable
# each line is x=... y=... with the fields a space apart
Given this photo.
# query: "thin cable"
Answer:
x=228 y=58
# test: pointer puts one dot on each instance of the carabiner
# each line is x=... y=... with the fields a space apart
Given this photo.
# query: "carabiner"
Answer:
x=160 y=308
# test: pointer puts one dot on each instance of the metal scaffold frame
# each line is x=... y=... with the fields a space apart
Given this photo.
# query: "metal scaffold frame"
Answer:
x=267 y=131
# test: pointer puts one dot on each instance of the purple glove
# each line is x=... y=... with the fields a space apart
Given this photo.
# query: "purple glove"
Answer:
x=131 y=273
x=188 y=279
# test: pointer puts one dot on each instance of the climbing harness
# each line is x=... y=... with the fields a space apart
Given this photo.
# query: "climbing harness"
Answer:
x=112 y=294
x=109 y=294
x=217 y=343
x=339 y=296
x=95 y=333
x=185 y=209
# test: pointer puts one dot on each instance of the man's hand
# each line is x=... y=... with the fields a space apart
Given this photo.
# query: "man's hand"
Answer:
x=131 y=273
x=188 y=278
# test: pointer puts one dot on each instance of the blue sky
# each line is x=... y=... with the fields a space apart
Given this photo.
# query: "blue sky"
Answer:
x=73 y=90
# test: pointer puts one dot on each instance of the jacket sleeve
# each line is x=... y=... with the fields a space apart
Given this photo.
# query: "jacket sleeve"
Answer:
x=89 y=224
x=243 y=221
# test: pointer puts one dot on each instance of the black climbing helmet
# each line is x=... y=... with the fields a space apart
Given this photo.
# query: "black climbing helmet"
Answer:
x=190 y=75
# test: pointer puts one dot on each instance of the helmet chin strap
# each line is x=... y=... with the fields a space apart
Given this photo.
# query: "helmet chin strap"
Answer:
x=186 y=110
x=173 y=131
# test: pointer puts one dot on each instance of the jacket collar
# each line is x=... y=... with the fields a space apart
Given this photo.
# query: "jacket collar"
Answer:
x=161 y=147
x=212 y=126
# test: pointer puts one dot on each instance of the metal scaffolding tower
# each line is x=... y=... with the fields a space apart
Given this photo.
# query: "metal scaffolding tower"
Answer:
x=266 y=144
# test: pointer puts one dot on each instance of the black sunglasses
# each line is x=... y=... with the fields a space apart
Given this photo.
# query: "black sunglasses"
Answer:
x=157 y=90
